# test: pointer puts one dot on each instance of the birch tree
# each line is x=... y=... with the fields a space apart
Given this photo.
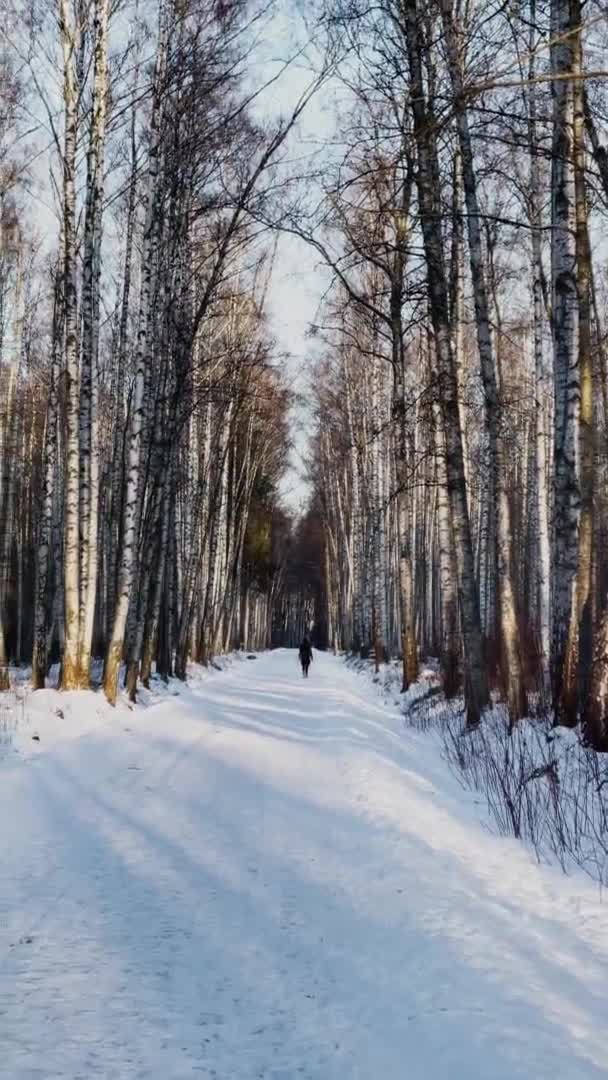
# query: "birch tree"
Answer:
x=566 y=494
x=130 y=506
x=512 y=671
x=69 y=35
x=89 y=375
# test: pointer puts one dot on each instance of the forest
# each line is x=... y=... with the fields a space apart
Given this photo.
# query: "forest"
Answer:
x=456 y=201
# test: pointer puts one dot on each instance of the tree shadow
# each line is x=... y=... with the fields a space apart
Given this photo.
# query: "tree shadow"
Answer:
x=342 y=939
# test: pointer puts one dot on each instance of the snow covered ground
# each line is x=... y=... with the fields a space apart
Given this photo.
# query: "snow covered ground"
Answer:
x=270 y=878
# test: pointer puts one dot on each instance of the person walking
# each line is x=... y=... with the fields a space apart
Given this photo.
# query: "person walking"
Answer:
x=305 y=656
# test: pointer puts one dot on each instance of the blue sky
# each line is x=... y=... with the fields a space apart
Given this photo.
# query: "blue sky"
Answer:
x=299 y=280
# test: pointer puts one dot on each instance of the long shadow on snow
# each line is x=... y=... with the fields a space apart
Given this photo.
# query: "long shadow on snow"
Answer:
x=403 y=750
x=440 y=786
x=309 y=898
x=505 y=910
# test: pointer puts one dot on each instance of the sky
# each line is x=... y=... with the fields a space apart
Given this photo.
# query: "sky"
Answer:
x=293 y=304
x=299 y=279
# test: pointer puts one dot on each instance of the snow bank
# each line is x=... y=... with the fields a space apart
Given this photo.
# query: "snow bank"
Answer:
x=541 y=784
x=32 y=721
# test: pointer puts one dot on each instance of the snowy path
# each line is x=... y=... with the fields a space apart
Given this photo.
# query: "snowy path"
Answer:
x=267 y=878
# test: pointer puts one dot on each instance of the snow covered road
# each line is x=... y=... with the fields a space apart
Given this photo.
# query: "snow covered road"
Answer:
x=271 y=878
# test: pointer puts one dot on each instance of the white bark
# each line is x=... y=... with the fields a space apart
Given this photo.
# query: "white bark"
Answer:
x=476 y=684
x=43 y=554
x=71 y=675
x=89 y=381
x=511 y=661
x=126 y=573
x=566 y=437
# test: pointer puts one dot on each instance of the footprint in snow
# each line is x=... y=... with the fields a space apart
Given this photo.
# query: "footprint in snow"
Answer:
x=26 y=940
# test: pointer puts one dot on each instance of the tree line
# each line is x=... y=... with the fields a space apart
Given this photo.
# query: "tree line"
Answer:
x=458 y=460
x=144 y=410
x=461 y=386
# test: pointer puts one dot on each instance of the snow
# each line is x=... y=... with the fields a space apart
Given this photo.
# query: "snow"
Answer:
x=264 y=877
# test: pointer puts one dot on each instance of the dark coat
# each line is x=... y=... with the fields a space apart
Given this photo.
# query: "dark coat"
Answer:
x=305 y=651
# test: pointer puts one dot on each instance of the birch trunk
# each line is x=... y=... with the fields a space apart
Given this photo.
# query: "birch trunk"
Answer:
x=4 y=674
x=511 y=661
x=457 y=304
x=566 y=423
x=447 y=570
x=428 y=183
x=118 y=452
x=542 y=494
x=7 y=479
x=151 y=632
x=43 y=553
x=409 y=644
x=130 y=516
x=89 y=376
x=71 y=676
x=137 y=620
x=217 y=507
x=576 y=678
